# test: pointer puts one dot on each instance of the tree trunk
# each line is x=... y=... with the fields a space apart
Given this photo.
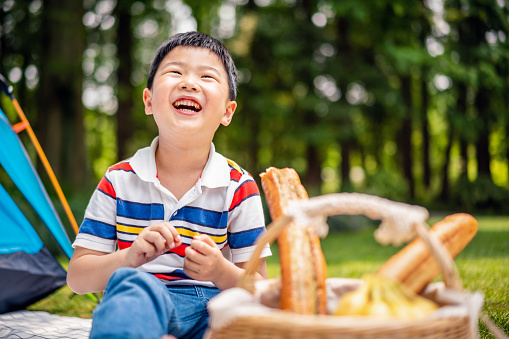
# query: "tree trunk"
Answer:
x=507 y=139
x=406 y=135
x=426 y=163
x=482 y=143
x=346 y=185
x=60 y=116
x=462 y=104
x=444 y=194
x=125 y=89
x=312 y=178
x=507 y=148
x=464 y=158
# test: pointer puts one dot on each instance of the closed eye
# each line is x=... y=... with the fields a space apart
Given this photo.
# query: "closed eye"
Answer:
x=206 y=76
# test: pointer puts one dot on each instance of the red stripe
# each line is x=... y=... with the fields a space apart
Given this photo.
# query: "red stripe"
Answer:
x=166 y=277
x=248 y=188
x=180 y=250
x=106 y=187
x=235 y=175
x=123 y=244
x=121 y=166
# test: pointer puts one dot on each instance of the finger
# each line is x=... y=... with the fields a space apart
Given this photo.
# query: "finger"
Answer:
x=190 y=273
x=200 y=247
x=145 y=247
x=176 y=235
x=191 y=268
x=206 y=239
x=204 y=245
x=157 y=241
x=193 y=255
x=191 y=265
x=169 y=233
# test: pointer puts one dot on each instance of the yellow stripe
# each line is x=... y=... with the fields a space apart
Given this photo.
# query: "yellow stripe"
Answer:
x=189 y=233
x=234 y=165
x=129 y=229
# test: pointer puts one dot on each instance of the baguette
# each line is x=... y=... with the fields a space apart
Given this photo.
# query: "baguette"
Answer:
x=303 y=266
x=414 y=265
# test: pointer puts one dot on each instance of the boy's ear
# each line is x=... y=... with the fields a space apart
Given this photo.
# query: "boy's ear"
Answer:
x=228 y=114
x=147 y=100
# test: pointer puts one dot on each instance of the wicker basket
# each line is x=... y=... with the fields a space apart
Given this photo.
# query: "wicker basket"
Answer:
x=275 y=323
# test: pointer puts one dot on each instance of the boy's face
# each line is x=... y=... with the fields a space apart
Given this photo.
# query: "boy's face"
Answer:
x=189 y=95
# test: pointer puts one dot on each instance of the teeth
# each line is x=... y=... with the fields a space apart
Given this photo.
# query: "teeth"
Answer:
x=187 y=105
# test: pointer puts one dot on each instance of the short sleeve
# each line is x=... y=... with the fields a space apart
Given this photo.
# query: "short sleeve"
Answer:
x=98 y=230
x=246 y=222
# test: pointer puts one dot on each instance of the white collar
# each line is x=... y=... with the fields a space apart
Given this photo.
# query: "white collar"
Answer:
x=215 y=174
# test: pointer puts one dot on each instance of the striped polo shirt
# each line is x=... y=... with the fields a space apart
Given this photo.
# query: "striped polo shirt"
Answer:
x=225 y=204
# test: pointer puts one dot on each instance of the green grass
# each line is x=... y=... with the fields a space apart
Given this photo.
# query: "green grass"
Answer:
x=483 y=266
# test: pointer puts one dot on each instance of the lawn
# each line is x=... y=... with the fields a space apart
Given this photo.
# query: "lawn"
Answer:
x=483 y=266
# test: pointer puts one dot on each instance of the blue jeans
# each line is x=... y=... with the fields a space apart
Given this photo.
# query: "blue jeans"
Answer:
x=138 y=305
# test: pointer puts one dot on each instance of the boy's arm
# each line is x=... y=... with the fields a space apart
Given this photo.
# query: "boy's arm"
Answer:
x=205 y=262
x=89 y=270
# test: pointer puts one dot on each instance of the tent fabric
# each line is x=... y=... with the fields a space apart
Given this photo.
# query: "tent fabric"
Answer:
x=17 y=234
x=15 y=161
x=28 y=271
x=26 y=278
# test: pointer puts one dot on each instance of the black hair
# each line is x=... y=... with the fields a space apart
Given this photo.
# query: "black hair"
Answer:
x=197 y=39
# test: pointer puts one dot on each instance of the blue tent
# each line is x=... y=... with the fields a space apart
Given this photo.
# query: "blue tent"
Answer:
x=28 y=272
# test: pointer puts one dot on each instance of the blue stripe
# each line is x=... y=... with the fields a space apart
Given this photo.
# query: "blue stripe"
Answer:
x=99 y=229
x=176 y=273
x=202 y=217
x=139 y=211
x=180 y=274
x=246 y=238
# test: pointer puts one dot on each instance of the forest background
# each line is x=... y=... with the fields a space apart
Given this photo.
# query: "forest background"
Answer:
x=403 y=99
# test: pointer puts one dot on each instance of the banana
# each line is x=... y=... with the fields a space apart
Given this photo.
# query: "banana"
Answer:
x=410 y=305
x=354 y=302
x=377 y=304
x=381 y=297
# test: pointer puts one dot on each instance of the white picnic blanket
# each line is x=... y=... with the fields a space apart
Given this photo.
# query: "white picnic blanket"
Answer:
x=42 y=325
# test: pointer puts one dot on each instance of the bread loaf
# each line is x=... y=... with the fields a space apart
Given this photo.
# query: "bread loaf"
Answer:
x=303 y=267
x=414 y=265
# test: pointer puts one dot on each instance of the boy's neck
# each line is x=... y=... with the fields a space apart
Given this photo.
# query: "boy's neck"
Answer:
x=180 y=166
x=190 y=156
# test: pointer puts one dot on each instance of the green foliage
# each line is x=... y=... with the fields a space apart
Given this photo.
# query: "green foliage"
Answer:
x=312 y=74
x=479 y=195
x=387 y=184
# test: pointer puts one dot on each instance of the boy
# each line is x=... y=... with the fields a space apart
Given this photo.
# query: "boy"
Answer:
x=185 y=218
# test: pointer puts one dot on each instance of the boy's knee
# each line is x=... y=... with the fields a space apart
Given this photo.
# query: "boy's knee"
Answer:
x=123 y=273
x=129 y=286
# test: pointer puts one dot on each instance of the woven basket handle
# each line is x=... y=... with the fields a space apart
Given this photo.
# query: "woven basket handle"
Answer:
x=403 y=219
x=275 y=228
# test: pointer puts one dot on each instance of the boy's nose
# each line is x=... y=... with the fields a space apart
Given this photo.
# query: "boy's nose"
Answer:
x=191 y=88
x=188 y=84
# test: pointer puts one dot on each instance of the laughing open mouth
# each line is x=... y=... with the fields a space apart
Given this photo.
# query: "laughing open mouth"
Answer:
x=187 y=106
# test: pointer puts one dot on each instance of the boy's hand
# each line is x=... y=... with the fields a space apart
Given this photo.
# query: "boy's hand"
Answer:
x=204 y=261
x=152 y=241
